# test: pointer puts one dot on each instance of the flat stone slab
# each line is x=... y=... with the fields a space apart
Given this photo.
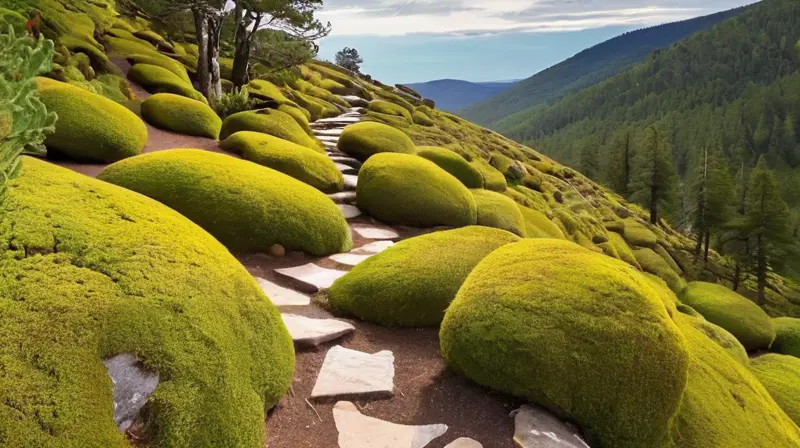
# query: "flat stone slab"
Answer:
x=132 y=386
x=350 y=181
x=357 y=430
x=349 y=259
x=344 y=160
x=329 y=132
x=281 y=296
x=349 y=211
x=375 y=247
x=311 y=332
x=343 y=197
x=312 y=276
x=536 y=428
x=355 y=100
x=350 y=373
x=328 y=138
x=345 y=169
x=341 y=119
x=464 y=442
x=376 y=233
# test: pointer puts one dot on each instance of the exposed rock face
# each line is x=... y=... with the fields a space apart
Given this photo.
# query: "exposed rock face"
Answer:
x=132 y=387
x=359 y=431
x=536 y=428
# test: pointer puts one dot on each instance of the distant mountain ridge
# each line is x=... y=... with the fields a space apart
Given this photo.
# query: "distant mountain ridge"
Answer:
x=455 y=94
x=586 y=68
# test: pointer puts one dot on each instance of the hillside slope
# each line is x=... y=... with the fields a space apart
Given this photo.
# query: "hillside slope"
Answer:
x=586 y=68
x=454 y=94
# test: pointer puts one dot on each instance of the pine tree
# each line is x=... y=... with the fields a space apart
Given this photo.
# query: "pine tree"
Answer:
x=711 y=196
x=618 y=170
x=654 y=176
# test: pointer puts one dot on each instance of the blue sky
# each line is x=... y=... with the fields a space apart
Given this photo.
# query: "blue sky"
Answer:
x=404 y=41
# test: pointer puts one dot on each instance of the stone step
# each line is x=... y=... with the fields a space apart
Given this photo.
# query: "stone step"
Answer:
x=328 y=138
x=375 y=233
x=346 y=169
x=349 y=211
x=343 y=197
x=355 y=374
x=350 y=259
x=281 y=296
x=536 y=427
x=350 y=181
x=357 y=430
x=335 y=132
x=309 y=332
x=345 y=120
x=344 y=159
x=375 y=247
x=311 y=277
x=465 y=442
x=355 y=100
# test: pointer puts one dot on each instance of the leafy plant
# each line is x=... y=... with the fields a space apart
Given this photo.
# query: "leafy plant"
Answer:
x=229 y=103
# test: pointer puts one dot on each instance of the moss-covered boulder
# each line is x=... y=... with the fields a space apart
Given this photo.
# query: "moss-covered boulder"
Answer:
x=787 y=336
x=245 y=206
x=300 y=115
x=363 y=140
x=90 y=270
x=182 y=115
x=414 y=281
x=537 y=225
x=266 y=90
x=636 y=234
x=300 y=162
x=780 y=375
x=622 y=249
x=157 y=79
x=724 y=405
x=721 y=336
x=91 y=127
x=578 y=331
x=723 y=307
x=385 y=107
x=454 y=164
x=409 y=190
x=272 y=122
x=498 y=211
x=653 y=263
x=492 y=179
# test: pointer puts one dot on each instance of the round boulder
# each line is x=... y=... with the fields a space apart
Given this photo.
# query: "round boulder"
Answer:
x=787 y=336
x=270 y=121
x=182 y=115
x=498 y=211
x=362 y=140
x=454 y=164
x=780 y=375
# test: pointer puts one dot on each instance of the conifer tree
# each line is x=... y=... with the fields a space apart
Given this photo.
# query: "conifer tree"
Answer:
x=654 y=176
x=618 y=169
x=711 y=195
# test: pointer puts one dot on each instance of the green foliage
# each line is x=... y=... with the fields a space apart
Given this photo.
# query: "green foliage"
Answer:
x=409 y=190
x=654 y=177
x=229 y=103
x=780 y=375
x=272 y=122
x=577 y=331
x=454 y=164
x=91 y=127
x=622 y=249
x=385 y=107
x=363 y=140
x=348 y=58
x=266 y=90
x=787 y=336
x=537 y=225
x=500 y=212
x=182 y=115
x=245 y=206
x=711 y=192
x=655 y=264
x=24 y=120
x=92 y=271
x=413 y=282
x=160 y=80
x=304 y=164
x=723 y=307
x=164 y=62
x=493 y=179
x=637 y=234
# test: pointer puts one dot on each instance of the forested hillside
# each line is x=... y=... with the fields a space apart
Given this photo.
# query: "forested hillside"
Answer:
x=585 y=69
x=454 y=94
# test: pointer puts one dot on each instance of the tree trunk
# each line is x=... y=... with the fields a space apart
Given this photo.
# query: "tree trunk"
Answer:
x=241 y=62
x=202 y=50
x=762 y=271
x=737 y=276
x=698 y=247
x=654 y=205
x=214 y=30
x=708 y=243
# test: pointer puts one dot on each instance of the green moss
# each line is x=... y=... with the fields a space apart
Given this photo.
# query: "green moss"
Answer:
x=623 y=250
x=150 y=36
x=573 y=330
x=91 y=270
x=498 y=211
x=537 y=225
x=492 y=179
x=159 y=60
x=260 y=88
x=653 y=263
x=225 y=68
x=409 y=190
x=90 y=126
x=302 y=163
x=385 y=107
x=127 y=35
x=316 y=107
x=723 y=307
x=780 y=375
x=787 y=336
x=299 y=115
x=160 y=80
x=413 y=282
x=272 y=122
x=659 y=249
x=182 y=115
x=721 y=336
x=317 y=92
x=454 y=164
x=363 y=140
x=636 y=234
x=245 y=206
x=724 y=405
x=422 y=119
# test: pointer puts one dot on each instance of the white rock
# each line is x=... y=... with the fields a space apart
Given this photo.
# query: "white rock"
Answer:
x=534 y=427
x=375 y=247
x=343 y=197
x=313 y=276
x=328 y=138
x=375 y=233
x=345 y=169
x=132 y=386
x=350 y=259
x=464 y=442
x=349 y=211
x=350 y=181
x=281 y=296
x=345 y=120
x=357 y=430
x=349 y=373
x=329 y=132
x=307 y=331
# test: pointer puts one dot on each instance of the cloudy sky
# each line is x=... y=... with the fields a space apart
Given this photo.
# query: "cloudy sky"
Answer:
x=487 y=40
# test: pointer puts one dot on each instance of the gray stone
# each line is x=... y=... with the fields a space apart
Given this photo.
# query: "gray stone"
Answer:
x=355 y=100
x=132 y=387
x=344 y=160
x=464 y=442
x=345 y=169
x=344 y=120
x=310 y=332
x=281 y=296
x=349 y=211
x=350 y=181
x=375 y=247
x=376 y=233
x=357 y=430
x=329 y=132
x=343 y=197
x=350 y=373
x=350 y=259
x=328 y=138
x=312 y=276
x=534 y=427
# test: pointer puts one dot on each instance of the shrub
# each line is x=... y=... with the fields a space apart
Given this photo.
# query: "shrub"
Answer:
x=182 y=115
x=405 y=189
x=91 y=127
x=637 y=234
x=498 y=211
x=653 y=263
x=235 y=101
x=91 y=271
x=413 y=282
x=454 y=164
x=385 y=107
x=554 y=323
x=724 y=405
x=787 y=336
x=272 y=122
x=362 y=140
x=723 y=307
x=302 y=163
x=245 y=206
x=537 y=225
x=780 y=375
x=622 y=249
x=160 y=80
x=492 y=179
